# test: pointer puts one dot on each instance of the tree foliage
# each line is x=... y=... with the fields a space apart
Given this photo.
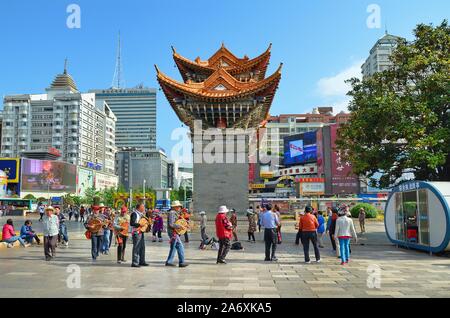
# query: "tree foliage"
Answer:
x=371 y=211
x=400 y=118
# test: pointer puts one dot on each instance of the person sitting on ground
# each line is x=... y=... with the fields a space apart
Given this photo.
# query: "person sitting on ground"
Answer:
x=9 y=234
x=27 y=233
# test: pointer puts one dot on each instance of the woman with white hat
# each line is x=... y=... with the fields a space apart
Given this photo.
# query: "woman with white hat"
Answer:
x=51 y=230
x=224 y=232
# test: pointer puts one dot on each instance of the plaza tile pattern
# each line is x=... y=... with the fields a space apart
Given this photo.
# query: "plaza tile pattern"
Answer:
x=404 y=273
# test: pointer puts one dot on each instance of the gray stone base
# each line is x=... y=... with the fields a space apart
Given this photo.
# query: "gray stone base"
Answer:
x=219 y=184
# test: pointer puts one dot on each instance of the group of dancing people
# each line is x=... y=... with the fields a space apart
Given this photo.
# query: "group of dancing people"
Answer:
x=102 y=225
x=136 y=225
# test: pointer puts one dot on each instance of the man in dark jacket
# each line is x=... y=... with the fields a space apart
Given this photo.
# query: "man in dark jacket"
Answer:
x=331 y=230
x=138 y=253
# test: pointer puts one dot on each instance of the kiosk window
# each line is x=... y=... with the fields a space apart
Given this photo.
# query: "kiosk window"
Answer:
x=423 y=218
x=399 y=219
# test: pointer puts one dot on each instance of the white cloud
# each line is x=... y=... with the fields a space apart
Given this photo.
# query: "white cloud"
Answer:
x=333 y=89
x=341 y=105
x=335 y=85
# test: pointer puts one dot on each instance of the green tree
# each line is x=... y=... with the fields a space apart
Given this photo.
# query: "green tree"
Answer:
x=77 y=200
x=68 y=200
x=89 y=195
x=400 y=118
x=107 y=196
x=30 y=197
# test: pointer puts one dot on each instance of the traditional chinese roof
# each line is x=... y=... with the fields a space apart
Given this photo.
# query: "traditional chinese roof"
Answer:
x=223 y=91
x=226 y=59
x=221 y=88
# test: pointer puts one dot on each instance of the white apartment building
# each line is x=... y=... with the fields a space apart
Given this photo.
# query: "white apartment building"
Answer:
x=378 y=61
x=82 y=130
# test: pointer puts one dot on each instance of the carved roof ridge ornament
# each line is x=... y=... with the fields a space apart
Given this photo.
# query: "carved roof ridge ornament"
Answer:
x=184 y=63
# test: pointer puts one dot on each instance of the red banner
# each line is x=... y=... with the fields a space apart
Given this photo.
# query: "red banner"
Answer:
x=343 y=181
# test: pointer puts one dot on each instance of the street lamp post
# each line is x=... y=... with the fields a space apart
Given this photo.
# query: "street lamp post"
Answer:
x=144 y=189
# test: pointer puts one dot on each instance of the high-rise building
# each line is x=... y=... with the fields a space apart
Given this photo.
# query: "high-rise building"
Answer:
x=134 y=166
x=80 y=128
x=135 y=109
x=378 y=61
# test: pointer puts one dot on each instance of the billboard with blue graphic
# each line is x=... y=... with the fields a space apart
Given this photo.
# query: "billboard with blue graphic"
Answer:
x=300 y=149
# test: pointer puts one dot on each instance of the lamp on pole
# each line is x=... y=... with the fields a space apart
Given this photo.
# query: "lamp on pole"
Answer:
x=144 y=188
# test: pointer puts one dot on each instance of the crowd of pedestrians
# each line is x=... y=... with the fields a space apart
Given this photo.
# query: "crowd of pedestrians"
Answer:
x=312 y=228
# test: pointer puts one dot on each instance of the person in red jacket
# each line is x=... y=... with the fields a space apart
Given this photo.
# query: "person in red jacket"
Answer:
x=224 y=232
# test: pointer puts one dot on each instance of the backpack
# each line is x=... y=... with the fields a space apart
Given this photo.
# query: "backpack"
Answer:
x=236 y=246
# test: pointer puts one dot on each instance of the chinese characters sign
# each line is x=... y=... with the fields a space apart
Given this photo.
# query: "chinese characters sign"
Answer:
x=343 y=181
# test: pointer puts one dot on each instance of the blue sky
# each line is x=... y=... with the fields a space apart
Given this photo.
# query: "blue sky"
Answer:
x=320 y=43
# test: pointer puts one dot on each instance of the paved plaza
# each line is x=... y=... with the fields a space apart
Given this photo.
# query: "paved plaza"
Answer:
x=404 y=273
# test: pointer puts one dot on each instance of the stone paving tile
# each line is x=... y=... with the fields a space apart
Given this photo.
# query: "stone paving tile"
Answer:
x=404 y=273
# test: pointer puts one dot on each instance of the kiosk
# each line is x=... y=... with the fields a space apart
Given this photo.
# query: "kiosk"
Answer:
x=417 y=215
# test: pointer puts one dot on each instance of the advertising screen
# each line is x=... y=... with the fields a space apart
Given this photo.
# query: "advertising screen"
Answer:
x=85 y=180
x=11 y=169
x=47 y=175
x=300 y=149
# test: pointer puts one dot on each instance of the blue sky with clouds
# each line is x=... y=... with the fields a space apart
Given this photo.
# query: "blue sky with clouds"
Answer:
x=321 y=43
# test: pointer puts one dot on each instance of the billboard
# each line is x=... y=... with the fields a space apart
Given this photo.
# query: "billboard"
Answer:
x=343 y=181
x=47 y=175
x=105 y=181
x=300 y=149
x=85 y=180
x=11 y=167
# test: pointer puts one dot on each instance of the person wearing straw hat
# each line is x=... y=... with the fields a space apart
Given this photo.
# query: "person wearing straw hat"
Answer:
x=175 y=241
x=50 y=223
x=224 y=231
x=96 y=237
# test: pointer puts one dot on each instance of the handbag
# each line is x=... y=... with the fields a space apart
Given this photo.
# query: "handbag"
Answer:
x=88 y=234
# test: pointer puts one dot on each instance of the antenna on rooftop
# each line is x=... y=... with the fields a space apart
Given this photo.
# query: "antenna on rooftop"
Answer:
x=118 y=78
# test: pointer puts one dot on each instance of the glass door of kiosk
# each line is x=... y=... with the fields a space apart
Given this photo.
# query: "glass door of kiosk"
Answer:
x=410 y=216
x=424 y=225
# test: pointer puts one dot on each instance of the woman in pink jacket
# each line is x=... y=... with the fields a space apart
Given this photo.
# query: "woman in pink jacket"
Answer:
x=9 y=235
